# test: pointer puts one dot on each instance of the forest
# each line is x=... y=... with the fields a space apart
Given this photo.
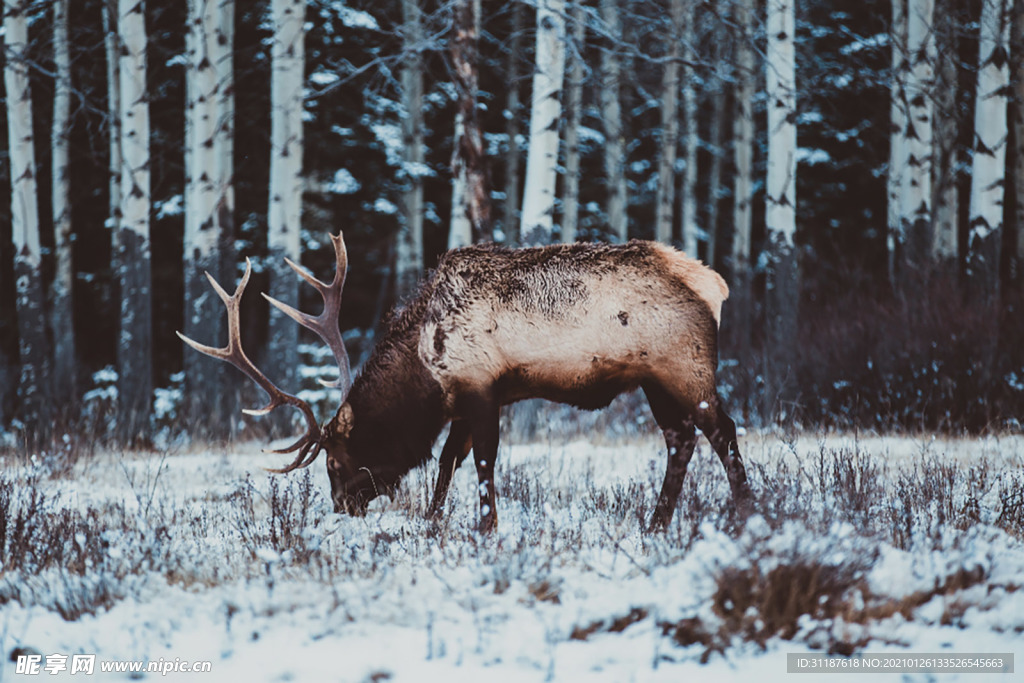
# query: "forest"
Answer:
x=854 y=169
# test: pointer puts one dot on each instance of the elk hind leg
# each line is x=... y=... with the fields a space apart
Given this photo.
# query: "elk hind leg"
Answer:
x=680 y=438
x=455 y=450
x=721 y=432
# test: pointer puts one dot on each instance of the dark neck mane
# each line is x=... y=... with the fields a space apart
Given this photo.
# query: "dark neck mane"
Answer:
x=397 y=404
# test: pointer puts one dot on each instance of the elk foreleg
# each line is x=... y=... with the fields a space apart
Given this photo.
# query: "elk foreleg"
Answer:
x=455 y=450
x=721 y=432
x=482 y=414
x=680 y=439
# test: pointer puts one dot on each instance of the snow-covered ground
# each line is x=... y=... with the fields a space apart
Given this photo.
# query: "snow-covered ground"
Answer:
x=861 y=544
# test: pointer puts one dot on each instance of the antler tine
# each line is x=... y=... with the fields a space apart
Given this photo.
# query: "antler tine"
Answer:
x=234 y=353
x=325 y=324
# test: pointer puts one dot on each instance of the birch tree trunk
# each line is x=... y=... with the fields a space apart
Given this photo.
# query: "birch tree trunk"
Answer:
x=513 y=114
x=989 y=164
x=741 y=297
x=916 y=185
x=471 y=189
x=611 y=114
x=208 y=210
x=897 y=135
x=134 y=349
x=574 y=106
x=225 y=138
x=409 y=253
x=111 y=49
x=204 y=319
x=545 y=112
x=783 y=278
x=34 y=396
x=945 y=202
x=284 y=216
x=690 y=228
x=61 y=312
x=666 y=194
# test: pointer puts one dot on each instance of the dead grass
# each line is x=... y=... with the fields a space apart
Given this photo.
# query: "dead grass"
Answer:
x=78 y=559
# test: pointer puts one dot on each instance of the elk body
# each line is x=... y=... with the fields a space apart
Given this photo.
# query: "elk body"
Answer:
x=578 y=324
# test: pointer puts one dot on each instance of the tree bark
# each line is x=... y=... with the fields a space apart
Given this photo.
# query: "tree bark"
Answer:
x=225 y=138
x=783 y=277
x=208 y=208
x=945 y=202
x=542 y=158
x=61 y=311
x=111 y=49
x=717 y=139
x=513 y=115
x=134 y=349
x=989 y=164
x=741 y=296
x=34 y=396
x=1017 y=262
x=574 y=106
x=690 y=228
x=916 y=184
x=611 y=115
x=897 y=135
x=409 y=252
x=666 y=194
x=284 y=229
x=471 y=189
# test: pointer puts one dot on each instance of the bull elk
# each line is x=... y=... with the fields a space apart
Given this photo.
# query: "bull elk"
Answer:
x=579 y=324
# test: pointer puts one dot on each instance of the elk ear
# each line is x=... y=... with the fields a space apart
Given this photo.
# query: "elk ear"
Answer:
x=344 y=419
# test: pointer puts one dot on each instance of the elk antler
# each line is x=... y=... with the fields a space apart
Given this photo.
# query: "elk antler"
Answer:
x=309 y=444
x=325 y=324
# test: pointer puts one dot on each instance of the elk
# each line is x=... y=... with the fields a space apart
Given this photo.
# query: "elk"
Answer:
x=578 y=324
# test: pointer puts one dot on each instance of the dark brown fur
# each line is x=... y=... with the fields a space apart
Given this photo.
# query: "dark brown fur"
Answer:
x=578 y=324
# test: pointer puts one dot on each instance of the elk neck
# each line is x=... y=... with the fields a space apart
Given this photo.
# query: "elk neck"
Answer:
x=396 y=403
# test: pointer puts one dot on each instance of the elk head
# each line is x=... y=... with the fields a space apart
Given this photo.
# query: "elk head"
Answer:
x=352 y=486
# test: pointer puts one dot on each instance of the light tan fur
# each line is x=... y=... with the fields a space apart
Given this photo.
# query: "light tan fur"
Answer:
x=573 y=330
x=699 y=277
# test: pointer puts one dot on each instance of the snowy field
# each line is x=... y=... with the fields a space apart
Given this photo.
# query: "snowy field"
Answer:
x=879 y=545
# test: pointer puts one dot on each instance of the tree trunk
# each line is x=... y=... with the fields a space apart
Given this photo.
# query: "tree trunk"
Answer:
x=34 y=395
x=1017 y=55
x=720 y=56
x=110 y=42
x=204 y=318
x=574 y=105
x=783 y=277
x=897 y=135
x=741 y=296
x=916 y=185
x=545 y=112
x=990 y=136
x=945 y=202
x=225 y=138
x=134 y=348
x=284 y=227
x=611 y=115
x=61 y=312
x=688 y=220
x=513 y=114
x=666 y=195
x=471 y=189
x=409 y=251
x=208 y=207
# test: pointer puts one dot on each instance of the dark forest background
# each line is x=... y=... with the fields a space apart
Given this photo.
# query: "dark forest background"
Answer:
x=867 y=354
